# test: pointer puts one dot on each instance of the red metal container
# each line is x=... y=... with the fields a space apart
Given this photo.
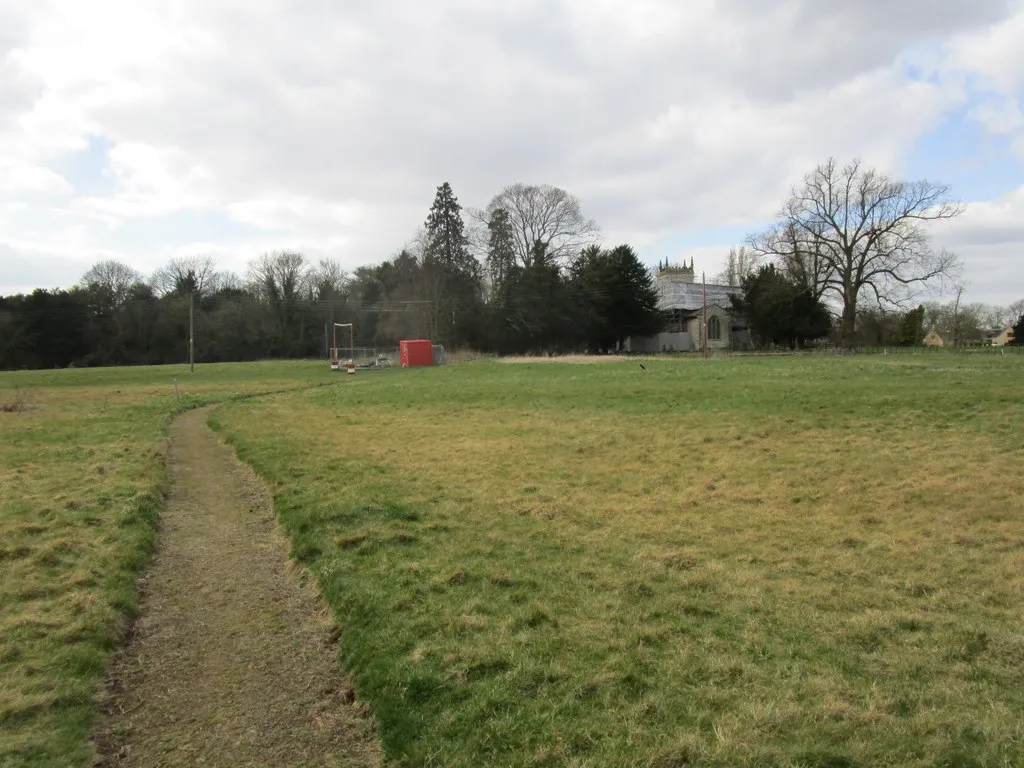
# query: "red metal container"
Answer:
x=415 y=352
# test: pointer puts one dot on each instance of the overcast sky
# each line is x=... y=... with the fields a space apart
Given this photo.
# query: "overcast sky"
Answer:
x=138 y=130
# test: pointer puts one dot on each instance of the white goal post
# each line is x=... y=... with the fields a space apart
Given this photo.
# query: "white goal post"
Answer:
x=351 y=340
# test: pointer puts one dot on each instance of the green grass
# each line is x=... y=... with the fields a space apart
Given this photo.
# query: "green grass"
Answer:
x=82 y=477
x=777 y=562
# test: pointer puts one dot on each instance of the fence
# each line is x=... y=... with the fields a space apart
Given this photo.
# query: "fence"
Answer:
x=367 y=354
x=971 y=350
x=828 y=351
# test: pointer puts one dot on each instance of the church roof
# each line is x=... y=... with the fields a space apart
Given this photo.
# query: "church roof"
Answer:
x=690 y=296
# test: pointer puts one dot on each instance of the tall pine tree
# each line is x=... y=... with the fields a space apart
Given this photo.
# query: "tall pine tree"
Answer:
x=446 y=243
x=501 y=248
x=452 y=275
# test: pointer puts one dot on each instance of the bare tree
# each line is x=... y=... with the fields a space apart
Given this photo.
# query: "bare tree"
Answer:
x=328 y=281
x=864 y=234
x=279 y=276
x=740 y=263
x=1015 y=311
x=1001 y=317
x=799 y=256
x=539 y=215
x=958 y=318
x=957 y=322
x=112 y=282
x=230 y=281
x=280 y=279
x=187 y=274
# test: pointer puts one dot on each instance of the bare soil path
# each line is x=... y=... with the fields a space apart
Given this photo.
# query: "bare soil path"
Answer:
x=232 y=662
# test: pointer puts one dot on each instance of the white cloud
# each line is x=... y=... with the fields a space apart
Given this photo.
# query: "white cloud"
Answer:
x=32 y=179
x=997 y=222
x=995 y=54
x=994 y=57
x=153 y=181
x=328 y=128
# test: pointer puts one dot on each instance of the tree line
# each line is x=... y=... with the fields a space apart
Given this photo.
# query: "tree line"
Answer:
x=849 y=252
x=526 y=275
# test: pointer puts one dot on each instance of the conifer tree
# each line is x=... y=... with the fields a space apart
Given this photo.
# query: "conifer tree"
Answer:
x=446 y=243
x=1018 y=333
x=451 y=274
x=501 y=252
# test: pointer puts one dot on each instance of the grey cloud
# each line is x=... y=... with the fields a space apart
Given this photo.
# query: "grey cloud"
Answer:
x=990 y=270
x=18 y=89
x=379 y=101
x=24 y=271
x=378 y=91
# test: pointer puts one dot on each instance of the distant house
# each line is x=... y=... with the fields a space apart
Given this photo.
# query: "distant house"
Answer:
x=681 y=300
x=997 y=337
x=932 y=339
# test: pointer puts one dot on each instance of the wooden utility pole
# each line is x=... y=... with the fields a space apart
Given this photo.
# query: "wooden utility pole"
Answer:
x=704 y=318
x=191 y=334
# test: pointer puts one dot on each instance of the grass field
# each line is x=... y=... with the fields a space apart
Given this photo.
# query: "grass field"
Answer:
x=776 y=562
x=81 y=482
x=785 y=561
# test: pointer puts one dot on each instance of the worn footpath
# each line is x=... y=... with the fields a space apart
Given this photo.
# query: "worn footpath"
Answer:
x=232 y=661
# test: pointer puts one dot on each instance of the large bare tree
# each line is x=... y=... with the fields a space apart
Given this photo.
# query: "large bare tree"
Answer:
x=112 y=282
x=543 y=219
x=328 y=281
x=855 y=232
x=279 y=276
x=183 y=275
x=281 y=279
x=1000 y=317
x=799 y=256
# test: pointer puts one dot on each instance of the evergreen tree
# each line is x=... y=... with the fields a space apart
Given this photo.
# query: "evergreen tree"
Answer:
x=912 y=328
x=451 y=274
x=780 y=311
x=634 y=307
x=616 y=296
x=445 y=243
x=501 y=251
x=1018 y=333
x=591 y=278
x=534 y=312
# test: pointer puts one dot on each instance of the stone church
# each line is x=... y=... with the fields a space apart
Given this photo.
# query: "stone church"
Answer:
x=682 y=300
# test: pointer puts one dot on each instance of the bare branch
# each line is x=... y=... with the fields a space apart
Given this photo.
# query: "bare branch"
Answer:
x=187 y=274
x=850 y=230
x=544 y=216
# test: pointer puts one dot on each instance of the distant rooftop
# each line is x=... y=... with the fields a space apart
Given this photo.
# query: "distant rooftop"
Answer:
x=677 y=289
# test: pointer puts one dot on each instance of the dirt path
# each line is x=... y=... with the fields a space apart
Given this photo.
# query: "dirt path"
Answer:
x=232 y=661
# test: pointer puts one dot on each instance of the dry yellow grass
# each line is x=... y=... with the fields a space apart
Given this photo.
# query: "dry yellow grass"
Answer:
x=81 y=482
x=572 y=359
x=785 y=561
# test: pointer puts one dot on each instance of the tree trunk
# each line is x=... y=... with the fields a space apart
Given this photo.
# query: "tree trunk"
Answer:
x=848 y=327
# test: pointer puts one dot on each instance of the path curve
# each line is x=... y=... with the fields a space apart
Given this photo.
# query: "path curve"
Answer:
x=232 y=662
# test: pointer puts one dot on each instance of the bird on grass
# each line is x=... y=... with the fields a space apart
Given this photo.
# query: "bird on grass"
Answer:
x=643 y=366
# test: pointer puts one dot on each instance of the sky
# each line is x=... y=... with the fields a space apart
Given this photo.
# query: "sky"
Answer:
x=139 y=130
